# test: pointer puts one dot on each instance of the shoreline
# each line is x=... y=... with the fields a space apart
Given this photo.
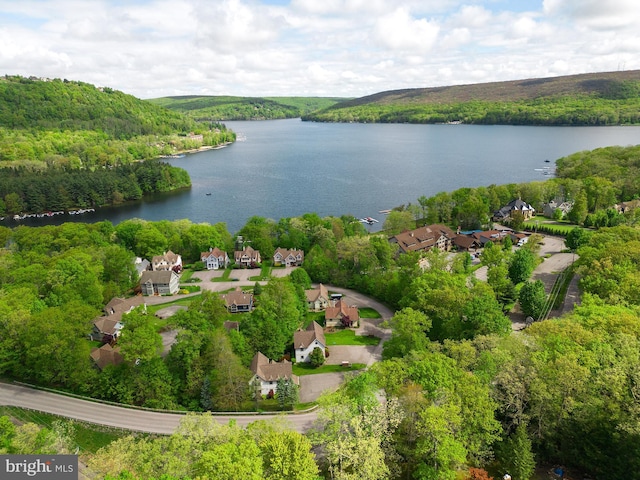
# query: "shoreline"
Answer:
x=204 y=148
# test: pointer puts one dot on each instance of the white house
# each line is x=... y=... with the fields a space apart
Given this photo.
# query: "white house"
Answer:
x=167 y=261
x=215 y=259
x=268 y=373
x=289 y=258
x=305 y=341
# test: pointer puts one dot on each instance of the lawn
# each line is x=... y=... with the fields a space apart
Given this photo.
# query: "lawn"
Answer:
x=306 y=369
x=562 y=228
x=349 y=337
x=367 y=312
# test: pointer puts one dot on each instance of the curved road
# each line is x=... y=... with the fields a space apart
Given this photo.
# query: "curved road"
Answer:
x=121 y=417
x=166 y=423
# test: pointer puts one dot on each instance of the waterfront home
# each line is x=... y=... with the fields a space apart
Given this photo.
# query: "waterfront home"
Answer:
x=215 y=259
x=288 y=258
x=167 y=261
x=424 y=239
x=247 y=257
x=517 y=205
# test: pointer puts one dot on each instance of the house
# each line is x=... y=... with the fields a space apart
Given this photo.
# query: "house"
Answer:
x=215 y=259
x=519 y=239
x=142 y=265
x=466 y=243
x=107 y=327
x=548 y=209
x=517 y=205
x=288 y=258
x=162 y=282
x=305 y=341
x=268 y=373
x=229 y=325
x=238 y=301
x=167 y=261
x=106 y=355
x=247 y=257
x=626 y=207
x=341 y=314
x=425 y=238
x=493 y=236
x=317 y=298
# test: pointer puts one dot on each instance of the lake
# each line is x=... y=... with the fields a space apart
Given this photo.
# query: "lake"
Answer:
x=285 y=168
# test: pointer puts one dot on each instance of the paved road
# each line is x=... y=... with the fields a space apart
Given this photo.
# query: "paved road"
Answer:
x=119 y=417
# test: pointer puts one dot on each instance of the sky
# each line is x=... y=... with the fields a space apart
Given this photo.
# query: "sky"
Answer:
x=329 y=48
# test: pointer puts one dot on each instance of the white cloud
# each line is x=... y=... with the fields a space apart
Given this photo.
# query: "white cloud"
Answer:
x=152 y=48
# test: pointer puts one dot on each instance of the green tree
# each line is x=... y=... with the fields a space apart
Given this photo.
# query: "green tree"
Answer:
x=139 y=341
x=515 y=455
x=533 y=299
x=398 y=221
x=579 y=210
x=521 y=266
x=409 y=331
x=287 y=456
x=316 y=358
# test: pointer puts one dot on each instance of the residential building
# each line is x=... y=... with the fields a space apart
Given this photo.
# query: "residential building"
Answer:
x=317 y=298
x=517 y=205
x=142 y=265
x=238 y=301
x=167 y=261
x=288 y=258
x=305 y=341
x=269 y=372
x=247 y=257
x=107 y=328
x=162 y=282
x=106 y=355
x=548 y=209
x=425 y=238
x=215 y=259
x=341 y=315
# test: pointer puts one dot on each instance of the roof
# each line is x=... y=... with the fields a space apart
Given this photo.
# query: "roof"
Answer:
x=513 y=205
x=106 y=355
x=304 y=338
x=248 y=252
x=341 y=308
x=270 y=371
x=107 y=325
x=169 y=257
x=422 y=238
x=213 y=252
x=285 y=253
x=229 y=325
x=316 y=293
x=465 y=241
x=237 y=297
x=157 y=276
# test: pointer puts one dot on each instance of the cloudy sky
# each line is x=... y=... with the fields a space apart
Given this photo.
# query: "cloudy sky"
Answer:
x=343 y=48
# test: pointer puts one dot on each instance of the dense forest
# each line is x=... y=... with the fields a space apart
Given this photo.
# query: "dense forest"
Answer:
x=464 y=397
x=78 y=125
x=218 y=108
x=591 y=99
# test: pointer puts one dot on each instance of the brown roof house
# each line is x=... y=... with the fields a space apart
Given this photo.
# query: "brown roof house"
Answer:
x=269 y=372
x=288 y=258
x=341 y=315
x=247 y=257
x=106 y=355
x=424 y=239
x=215 y=259
x=163 y=282
x=305 y=341
x=238 y=301
x=107 y=328
x=167 y=261
x=317 y=298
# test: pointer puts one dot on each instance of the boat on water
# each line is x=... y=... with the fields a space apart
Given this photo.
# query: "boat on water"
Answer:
x=208 y=193
x=368 y=220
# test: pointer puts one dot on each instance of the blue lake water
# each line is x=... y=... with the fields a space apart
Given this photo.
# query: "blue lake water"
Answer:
x=285 y=168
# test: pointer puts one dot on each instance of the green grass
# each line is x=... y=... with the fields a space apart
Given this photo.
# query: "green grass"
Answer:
x=367 y=312
x=561 y=228
x=186 y=275
x=89 y=437
x=224 y=277
x=349 y=337
x=265 y=273
x=306 y=369
x=318 y=317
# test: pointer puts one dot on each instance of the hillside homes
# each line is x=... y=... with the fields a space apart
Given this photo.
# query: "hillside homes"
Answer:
x=162 y=282
x=238 y=301
x=517 y=205
x=341 y=315
x=317 y=298
x=247 y=257
x=167 y=261
x=288 y=258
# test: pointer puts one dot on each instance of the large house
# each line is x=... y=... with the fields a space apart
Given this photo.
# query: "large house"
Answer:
x=107 y=328
x=288 y=258
x=517 y=205
x=162 y=282
x=342 y=315
x=305 y=341
x=167 y=261
x=238 y=301
x=215 y=259
x=548 y=209
x=268 y=373
x=247 y=257
x=317 y=298
x=424 y=239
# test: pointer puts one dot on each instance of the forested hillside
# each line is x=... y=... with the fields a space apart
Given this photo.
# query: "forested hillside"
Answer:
x=591 y=99
x=217 y=108
x=76 y=125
